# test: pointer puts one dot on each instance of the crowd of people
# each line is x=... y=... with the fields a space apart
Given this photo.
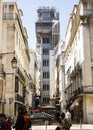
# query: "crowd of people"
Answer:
x=23 y=121
x=5 y=123
x=63 y=120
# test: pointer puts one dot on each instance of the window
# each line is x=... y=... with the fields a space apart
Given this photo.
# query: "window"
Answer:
x=45 y=75
x=45 y=62
x=45 y=40
x=45 y=100
x=85 y=5
x=16 y=37
x=45 y=87
x=52 y=14
x=45 y=51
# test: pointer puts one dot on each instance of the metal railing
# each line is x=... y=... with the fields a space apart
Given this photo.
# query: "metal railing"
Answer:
x=80 y=91
x=19 y=98
x=15 y=16
x=87 y=12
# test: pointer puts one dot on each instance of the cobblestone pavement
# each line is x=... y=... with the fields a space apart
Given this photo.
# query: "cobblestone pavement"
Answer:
x=52 y=127
x=74 y=127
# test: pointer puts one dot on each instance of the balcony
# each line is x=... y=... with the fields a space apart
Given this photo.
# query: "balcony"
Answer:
x=82 y=90
x=20 y=75
x=85 y=90
x=86 y=12
x=43 y=27
x=72 y=76
x=15 y=16
x=19 y=98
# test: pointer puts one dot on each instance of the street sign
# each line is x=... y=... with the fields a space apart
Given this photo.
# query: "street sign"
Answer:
x=4 y=101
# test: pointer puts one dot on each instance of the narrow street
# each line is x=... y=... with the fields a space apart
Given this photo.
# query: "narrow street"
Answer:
x=52 y=80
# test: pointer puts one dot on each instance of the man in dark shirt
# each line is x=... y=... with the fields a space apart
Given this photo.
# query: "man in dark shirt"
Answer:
x=19 y=125
x=3 y=123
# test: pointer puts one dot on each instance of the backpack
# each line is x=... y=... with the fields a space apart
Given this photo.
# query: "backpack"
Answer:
x=27 y=122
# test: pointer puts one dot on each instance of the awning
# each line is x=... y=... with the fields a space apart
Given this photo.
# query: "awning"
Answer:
x=75 y=103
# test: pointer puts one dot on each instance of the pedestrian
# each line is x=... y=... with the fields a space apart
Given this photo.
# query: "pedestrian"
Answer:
x=57 y=115
x=62 y=123
x=3 y=123
x=59 y=124
x=68 y=117
x=19 y=125
x=27 y=121
x=9 y=125
x=65 y=123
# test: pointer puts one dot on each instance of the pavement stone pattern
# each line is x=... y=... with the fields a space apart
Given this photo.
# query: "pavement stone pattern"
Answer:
x=73 y=127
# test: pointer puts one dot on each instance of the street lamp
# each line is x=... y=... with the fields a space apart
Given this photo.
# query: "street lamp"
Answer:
x=2 y=73
x=14 y=63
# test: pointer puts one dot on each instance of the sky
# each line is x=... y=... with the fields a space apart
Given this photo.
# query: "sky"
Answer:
x=29 y=8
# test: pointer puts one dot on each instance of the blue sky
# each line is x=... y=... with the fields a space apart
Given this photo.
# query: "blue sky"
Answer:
x=29 y=7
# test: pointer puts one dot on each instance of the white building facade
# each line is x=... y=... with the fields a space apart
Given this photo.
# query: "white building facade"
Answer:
x=59 y=77
x=35 y=76
x=78 y=62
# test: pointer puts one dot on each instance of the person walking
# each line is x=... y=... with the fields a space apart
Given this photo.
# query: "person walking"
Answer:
x=19 y=125
x=3 y=123
x=62 y=123
x=9 y=124
x=57 y=115
x=59 y=124
x=68 y=117
x=65 y=123
x=27 y=121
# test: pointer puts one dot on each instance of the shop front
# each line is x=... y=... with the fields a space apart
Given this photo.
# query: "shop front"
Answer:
x=76 y=109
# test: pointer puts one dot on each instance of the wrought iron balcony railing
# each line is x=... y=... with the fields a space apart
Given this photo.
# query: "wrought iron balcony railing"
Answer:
x=80 y=91
x=15 y=16
x=86 y=12
x=19 y=72
x=85 y=90
x=19 y=98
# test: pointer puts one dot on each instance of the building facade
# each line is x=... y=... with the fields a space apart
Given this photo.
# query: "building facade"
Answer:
x=14 y=43
x=78 y=59
x=57 y=75
x=34 y=72
x=47 y=35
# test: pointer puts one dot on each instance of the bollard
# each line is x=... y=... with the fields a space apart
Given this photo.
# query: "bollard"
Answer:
x=80 y=124
x=46 y=122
